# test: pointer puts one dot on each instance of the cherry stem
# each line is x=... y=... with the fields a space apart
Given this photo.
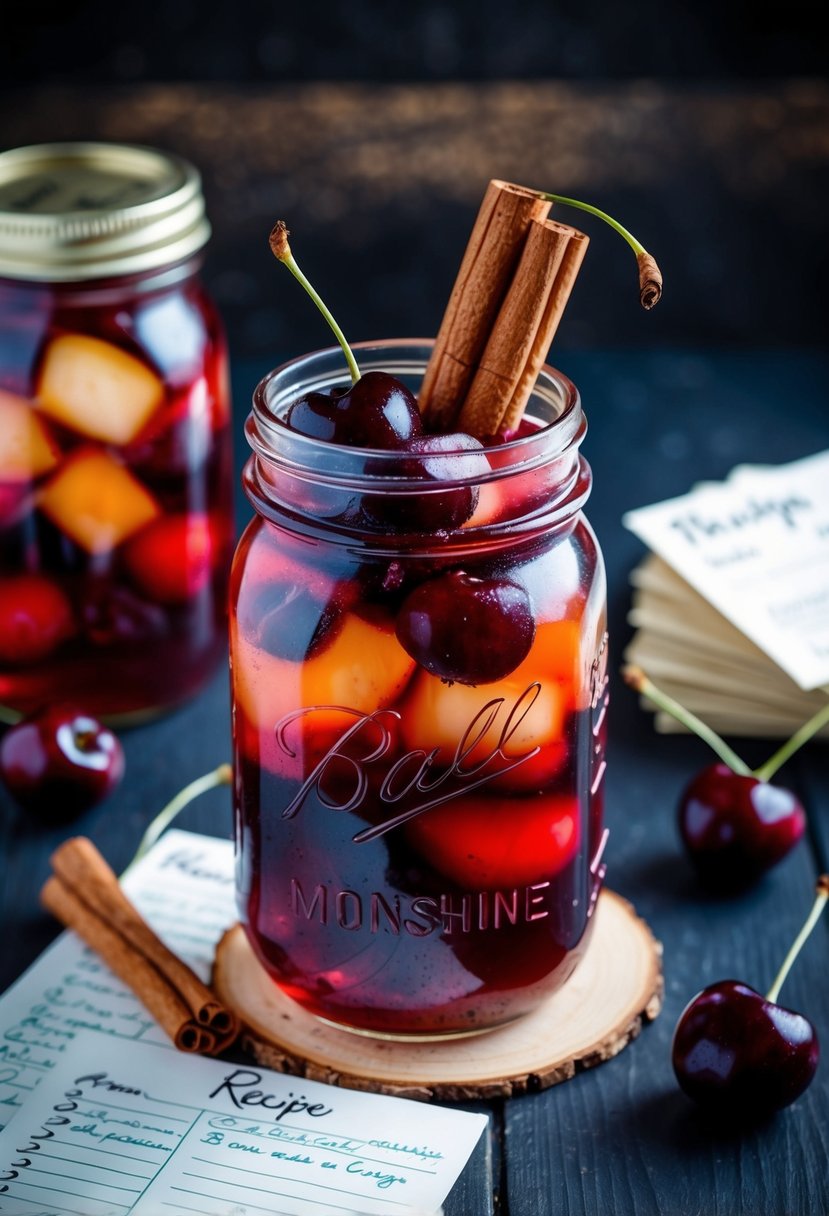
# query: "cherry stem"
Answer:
x=223 y=775
x=282 y=252
x=636 y=679
x=650 y=276
x=807 y=730
x=811 y=921
x=635 y=245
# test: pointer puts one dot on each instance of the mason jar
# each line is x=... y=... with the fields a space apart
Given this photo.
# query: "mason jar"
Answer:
x=115 y=463
x=417 y=854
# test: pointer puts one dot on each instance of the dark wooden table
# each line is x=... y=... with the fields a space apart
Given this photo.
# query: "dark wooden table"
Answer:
x=620 y=1138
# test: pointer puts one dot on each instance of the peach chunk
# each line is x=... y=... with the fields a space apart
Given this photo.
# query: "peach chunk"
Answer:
x=555 y=654
x=363 y=668
x=96 y=501
x=97 y=389
x=26 y=447
x=514 y=716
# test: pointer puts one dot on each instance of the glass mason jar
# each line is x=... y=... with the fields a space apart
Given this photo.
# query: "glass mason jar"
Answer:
x=115 y=463
x=416 y=857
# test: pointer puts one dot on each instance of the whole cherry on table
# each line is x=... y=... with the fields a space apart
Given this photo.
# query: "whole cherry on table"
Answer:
x=738 y=1053
x=734 y=824
x=60 y=762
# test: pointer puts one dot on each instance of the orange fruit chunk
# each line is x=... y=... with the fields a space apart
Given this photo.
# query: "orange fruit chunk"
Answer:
x=362 y=669
x=96 y=501
x=555 y=654
x=510 y=714
x=26 y=448
x=97 y=389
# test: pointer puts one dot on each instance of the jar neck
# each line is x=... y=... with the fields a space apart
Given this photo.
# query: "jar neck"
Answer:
x=114 y=289
x=531 y=485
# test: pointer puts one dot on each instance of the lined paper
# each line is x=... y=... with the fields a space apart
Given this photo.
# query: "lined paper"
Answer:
x=114 y=1131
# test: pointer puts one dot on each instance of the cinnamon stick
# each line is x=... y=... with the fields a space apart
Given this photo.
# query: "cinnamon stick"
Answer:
x=556 y=303
x=488 y=264
x=523 y=329
x=85 y=895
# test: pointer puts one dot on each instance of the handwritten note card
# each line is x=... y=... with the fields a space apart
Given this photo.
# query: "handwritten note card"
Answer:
x=757 y=547
x=184 y=888
x=115 y=1132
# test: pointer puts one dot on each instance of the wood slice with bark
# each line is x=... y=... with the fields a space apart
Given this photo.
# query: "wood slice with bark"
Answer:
x=615 y=990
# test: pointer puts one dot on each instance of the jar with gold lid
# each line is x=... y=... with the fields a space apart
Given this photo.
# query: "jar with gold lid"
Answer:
x=115 y=462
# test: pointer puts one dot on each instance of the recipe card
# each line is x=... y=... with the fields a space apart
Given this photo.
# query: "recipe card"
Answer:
x=115 y=1131
x=184 y=889
x=757 y=547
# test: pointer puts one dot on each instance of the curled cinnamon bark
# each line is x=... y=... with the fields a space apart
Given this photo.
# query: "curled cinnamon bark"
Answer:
x=84 y=894
x=508 y=299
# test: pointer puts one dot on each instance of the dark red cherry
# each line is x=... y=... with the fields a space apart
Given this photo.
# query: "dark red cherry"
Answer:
x=736 y=827
x=465 y=629
x=171 y=560
x=439 y=463
x=315 y=414
x=377 y=411
x=733 y=823
x=737 y=1053
x=35 y=617
x=60 y=762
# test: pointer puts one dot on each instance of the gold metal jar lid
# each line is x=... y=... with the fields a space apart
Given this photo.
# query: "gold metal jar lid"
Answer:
x=73 y=211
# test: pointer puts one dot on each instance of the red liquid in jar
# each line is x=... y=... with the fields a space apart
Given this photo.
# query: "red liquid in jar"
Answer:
x=115 y=505
x=413 y=857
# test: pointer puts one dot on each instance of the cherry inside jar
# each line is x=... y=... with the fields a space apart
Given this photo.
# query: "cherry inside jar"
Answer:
x=418 y=854
x=115 y=462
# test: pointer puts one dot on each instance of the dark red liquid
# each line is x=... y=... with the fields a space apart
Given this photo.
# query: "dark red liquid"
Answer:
x=138 y=578
x=413 y=857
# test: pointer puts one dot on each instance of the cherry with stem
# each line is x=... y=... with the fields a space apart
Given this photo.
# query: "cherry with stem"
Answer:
x=737 y=1053
x=377 y=411
x=735 y=825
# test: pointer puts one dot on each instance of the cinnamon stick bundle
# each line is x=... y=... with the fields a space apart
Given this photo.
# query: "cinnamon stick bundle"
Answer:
x=84 y=894
x=508 y=299
x=523 y=329
x=492 y=253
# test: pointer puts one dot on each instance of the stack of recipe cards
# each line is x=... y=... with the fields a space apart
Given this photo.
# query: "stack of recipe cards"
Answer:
x=731 y=607
x=103 y=1117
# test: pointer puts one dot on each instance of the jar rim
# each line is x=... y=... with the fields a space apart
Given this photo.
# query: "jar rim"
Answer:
x=327 y=490
x=272 y=439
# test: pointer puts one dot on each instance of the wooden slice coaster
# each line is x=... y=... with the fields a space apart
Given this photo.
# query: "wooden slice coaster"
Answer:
x=616 y=988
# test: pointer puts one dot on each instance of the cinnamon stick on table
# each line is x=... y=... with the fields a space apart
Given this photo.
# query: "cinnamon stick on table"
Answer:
x=84 y=894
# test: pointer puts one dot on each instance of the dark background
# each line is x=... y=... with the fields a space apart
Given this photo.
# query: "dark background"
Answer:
x=373 y=127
